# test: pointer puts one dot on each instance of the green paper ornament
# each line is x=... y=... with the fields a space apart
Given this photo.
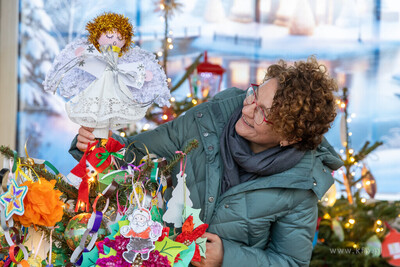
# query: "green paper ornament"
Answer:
x=156 y=214
x=117 y=176
x=169 y=248
x=90 y=258
x=186 y=256
x=188 y=211
x=201 y=242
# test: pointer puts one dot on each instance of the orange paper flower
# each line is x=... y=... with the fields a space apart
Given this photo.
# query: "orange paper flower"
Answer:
x=42 y=204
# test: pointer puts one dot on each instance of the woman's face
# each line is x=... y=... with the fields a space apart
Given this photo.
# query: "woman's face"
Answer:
x=260 y=136
x=111 y=38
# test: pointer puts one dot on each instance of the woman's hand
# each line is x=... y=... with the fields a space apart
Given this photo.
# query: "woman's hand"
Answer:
x=214 y=252
x=85 y=136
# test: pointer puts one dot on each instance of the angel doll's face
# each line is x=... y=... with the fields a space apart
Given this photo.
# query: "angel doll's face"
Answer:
x=111 y=38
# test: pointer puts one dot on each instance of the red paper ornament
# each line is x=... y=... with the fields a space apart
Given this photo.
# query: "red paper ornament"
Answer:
x=391 y=246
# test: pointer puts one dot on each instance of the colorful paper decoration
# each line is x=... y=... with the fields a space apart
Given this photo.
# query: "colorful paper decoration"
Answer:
x=180 y=199
x=368 y=182
x=13 y=200
x=190 y=234
x=329 y=198
x=186 y=256
x=391 y=247
x=42 y=204
x=189 y=211
x=201 y=244
x=90 y=258
x=142 y=232
x=169 y=248
x=106 y=179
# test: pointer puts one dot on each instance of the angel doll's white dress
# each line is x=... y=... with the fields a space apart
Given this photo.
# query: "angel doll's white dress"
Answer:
x=107 y=91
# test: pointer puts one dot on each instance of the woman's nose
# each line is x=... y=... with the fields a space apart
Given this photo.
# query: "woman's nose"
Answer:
x=248 y=109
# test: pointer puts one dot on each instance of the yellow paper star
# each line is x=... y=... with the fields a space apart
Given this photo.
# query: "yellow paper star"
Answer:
x=13 y=199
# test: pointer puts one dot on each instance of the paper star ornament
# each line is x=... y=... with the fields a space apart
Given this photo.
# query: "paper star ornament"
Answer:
x=90 y=258
x=13 y=200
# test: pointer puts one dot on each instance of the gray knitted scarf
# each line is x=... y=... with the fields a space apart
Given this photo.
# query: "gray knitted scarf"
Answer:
x=241 y=164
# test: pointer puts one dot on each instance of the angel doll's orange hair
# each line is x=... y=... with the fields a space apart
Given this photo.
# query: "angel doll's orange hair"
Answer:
x=108 y=22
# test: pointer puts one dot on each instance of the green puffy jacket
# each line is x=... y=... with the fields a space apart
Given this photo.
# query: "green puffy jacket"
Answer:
x=269 y=221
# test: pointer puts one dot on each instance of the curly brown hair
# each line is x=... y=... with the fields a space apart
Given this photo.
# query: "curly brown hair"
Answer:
x=108 y=22
x=304 y=103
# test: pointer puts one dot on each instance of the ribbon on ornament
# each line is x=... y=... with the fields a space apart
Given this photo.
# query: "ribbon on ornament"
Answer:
x=104 y=156
x=182 y=170
x=181 y=163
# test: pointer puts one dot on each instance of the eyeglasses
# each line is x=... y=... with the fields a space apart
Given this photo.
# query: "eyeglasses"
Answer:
x=260 y=115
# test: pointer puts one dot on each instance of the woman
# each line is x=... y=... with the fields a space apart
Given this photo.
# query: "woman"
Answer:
x=261 y=166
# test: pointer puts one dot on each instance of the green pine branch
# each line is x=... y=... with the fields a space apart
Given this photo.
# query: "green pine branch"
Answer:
x=178 y=157
x=362 y=154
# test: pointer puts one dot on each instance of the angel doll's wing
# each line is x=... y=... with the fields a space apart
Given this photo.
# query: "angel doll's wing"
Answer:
x=71 y=73
x=155 y=88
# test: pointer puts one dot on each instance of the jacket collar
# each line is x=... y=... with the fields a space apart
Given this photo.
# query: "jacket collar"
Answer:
x=312 y=172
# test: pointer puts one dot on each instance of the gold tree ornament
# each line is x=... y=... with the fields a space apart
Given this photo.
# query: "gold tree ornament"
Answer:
x=368 y=182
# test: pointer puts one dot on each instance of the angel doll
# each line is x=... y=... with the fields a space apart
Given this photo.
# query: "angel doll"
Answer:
x=109 y=83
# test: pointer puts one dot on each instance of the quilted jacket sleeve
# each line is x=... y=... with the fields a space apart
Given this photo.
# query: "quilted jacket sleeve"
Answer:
x=290 y=243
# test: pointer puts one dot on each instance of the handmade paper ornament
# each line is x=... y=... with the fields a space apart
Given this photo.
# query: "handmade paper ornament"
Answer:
x=186 y=256
x=156 y=213
x=93 y=161
x=118 y=176
x=13 y=200
x=180 y=199
x=77 y=226
x=329 y=199
x=373 y=246
x=368 y=182
x=337 y=229
x=391 y=246
x=190 y=235
x=111 y=84
x=170 y=248
x=42 y=204
x=143 y=232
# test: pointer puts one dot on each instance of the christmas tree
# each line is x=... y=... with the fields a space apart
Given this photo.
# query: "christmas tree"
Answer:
x=354 y=230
